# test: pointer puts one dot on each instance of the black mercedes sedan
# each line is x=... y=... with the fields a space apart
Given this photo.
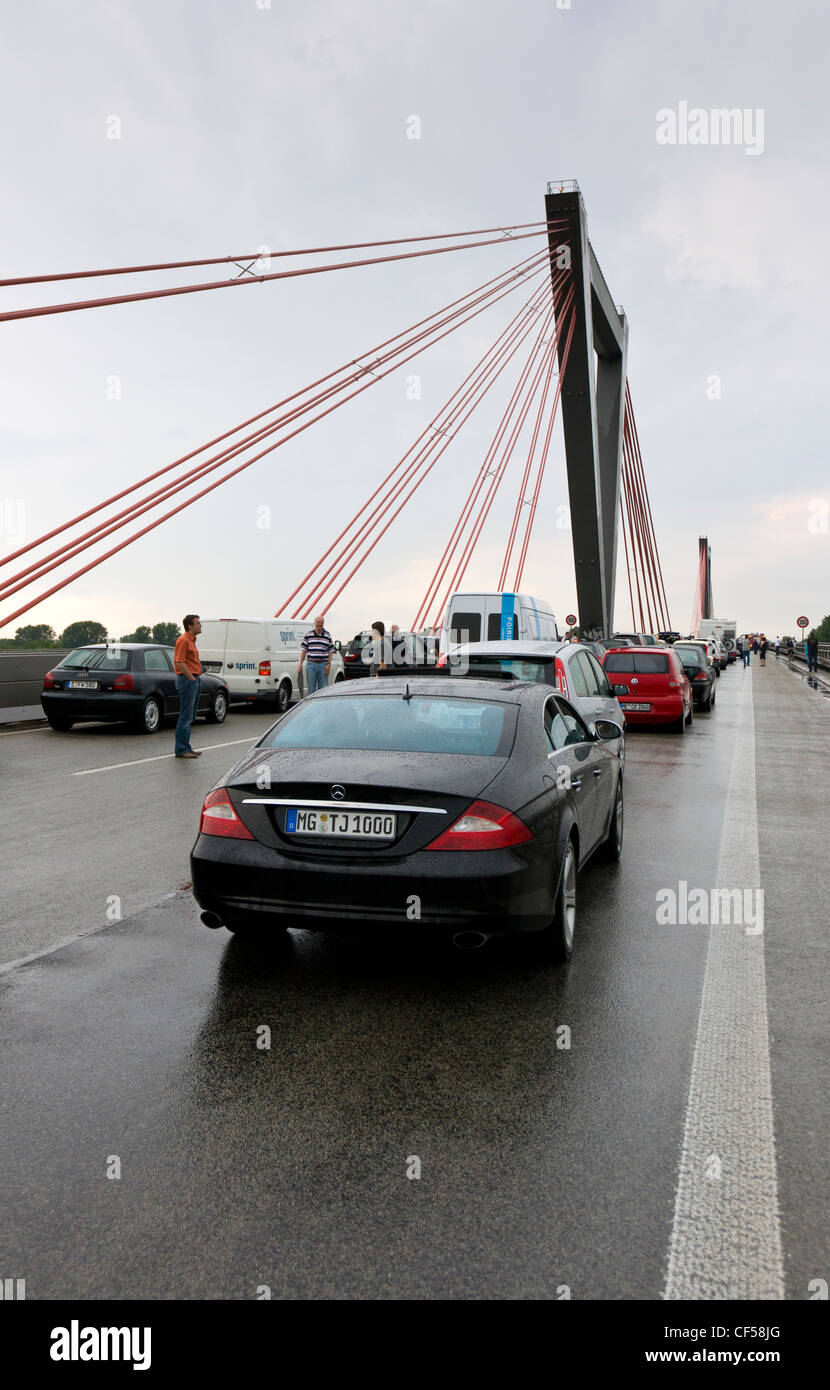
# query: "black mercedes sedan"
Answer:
x=466 y=806
x=128 y=681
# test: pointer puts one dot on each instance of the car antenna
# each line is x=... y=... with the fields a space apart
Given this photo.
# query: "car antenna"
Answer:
x=408 y=695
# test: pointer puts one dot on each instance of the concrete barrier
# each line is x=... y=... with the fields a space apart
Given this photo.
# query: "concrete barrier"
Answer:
x=21 y=681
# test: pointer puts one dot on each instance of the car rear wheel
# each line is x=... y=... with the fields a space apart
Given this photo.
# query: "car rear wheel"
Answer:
x=557 y=940
x=690 y=715
x=218 y=708
x=679 y=725
x=283 y=697
x=62 y=726
x=150 y=720
x=611 y=847
x=706 y=704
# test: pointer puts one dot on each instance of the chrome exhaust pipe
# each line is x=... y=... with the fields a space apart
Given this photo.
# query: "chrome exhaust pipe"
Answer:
x=470 y=940
x=212 y=920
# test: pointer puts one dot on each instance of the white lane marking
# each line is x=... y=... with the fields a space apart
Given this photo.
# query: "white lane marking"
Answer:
x=726 y=1235
x=8 y=965
x=159 y=757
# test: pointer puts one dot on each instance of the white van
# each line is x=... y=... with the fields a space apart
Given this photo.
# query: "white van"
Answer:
x=497 y=617
x=258 y=657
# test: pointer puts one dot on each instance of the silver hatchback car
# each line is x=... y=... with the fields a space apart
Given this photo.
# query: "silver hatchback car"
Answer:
x=567 y=666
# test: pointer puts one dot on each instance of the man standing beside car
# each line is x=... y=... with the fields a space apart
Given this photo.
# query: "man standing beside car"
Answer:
x=316 y=650
x=188 y=670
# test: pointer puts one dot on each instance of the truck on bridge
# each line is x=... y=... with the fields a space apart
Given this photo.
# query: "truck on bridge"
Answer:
x=720 y=630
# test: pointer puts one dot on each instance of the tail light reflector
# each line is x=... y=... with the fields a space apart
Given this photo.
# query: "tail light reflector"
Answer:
x=265 y=668
x=219 y=817
x=48 y=681
x=561 y=678
x=124 y=682
x=483 y=826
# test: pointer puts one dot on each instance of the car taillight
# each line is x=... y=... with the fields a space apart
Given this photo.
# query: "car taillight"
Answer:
x=673 y=685
x=442 y=660
x=124 y=682
x=48 y=681
x=265 y=668
x=699 y=676
x=561 y=678
x=483 y=826
x=219 y=817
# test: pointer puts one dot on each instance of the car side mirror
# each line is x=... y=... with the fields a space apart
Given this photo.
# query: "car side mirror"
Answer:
x=607 y=729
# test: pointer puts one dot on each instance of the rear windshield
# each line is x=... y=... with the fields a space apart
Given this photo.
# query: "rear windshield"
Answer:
x=98 y=659
x=390 y=723
x=510 y=668
x=644 y=663
x=690 y=656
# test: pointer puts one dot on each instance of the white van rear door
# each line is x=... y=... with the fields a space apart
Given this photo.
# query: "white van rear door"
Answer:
x=211 y=644
x=244 y=649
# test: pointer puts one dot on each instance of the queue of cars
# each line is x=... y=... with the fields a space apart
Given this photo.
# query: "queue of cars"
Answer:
x=465 y=796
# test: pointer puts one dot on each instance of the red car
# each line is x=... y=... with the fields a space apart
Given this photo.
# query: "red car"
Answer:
x=651 y=685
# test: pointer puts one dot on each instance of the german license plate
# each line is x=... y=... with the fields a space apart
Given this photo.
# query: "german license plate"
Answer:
x=354 y=825
x=82 y=685
x=629 y=705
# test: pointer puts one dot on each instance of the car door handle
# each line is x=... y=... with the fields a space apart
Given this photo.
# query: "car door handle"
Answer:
x=597 y=771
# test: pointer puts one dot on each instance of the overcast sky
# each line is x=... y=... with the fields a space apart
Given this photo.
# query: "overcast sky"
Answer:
x=243 y=124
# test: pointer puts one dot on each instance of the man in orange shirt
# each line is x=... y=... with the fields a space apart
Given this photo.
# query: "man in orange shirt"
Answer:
x=188 y=670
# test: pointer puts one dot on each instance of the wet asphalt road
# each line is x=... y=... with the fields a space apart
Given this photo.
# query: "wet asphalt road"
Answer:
x=541 y=1166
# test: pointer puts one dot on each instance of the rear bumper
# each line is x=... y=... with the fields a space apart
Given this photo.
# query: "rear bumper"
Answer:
x=665 y=709
x=243 y=881
x=105 y=704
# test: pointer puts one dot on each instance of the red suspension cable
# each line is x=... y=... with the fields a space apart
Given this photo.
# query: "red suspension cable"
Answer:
x=480 y=478
x=543 y=460
x=448 y=420
x=251 y=279
x=385 y=528
x=507 y=230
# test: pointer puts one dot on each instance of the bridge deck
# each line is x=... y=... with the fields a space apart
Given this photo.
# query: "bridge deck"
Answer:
x=242 y=1167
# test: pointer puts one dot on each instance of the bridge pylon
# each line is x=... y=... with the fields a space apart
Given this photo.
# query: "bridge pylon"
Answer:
x=593 y=406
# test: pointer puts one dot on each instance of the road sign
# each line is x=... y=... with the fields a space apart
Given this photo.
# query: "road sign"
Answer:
x=803 y=622
x=570 y=619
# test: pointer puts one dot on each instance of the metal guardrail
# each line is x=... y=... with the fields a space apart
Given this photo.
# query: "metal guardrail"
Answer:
x=21 y=681
x=800 y=655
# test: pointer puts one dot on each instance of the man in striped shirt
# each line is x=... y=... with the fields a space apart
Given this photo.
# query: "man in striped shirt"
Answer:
x=316 y=650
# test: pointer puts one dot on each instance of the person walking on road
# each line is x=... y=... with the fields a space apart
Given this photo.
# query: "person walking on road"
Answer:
x=316 y=651
x=188 y=670
x=755 y=644
x=747 y=651
x=378 y=648
x=778 y=646
x=763 y=650
x=812 y=655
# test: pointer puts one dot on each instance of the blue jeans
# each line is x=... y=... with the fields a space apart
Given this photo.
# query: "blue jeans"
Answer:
x=812 y=663
x=188 y=693
x=315 y=676
x=747 y=658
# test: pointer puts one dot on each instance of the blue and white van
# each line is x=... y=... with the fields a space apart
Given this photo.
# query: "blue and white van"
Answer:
x=497 y=617
x=258 y=657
